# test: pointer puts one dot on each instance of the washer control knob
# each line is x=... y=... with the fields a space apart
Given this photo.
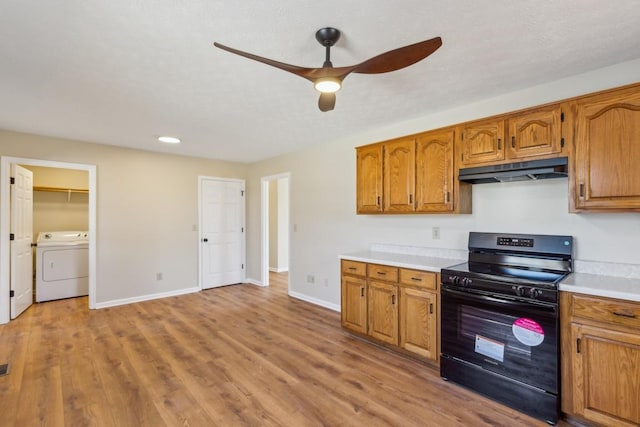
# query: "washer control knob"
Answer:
x=521 y=291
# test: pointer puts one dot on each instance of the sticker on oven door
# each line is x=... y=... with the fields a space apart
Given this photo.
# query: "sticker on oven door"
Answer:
x=528 y=332
x=488 y=347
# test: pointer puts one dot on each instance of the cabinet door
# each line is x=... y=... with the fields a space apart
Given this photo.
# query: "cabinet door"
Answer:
x=535 y=133
x=607 y=148
x=383 y=311
x=606 y=375
x=369 y=179
x=399 y=175
x=354 y=304
x=418 y=322
x=434 y=172
x=482 y=142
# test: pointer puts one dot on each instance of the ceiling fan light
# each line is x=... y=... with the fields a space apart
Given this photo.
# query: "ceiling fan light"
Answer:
x=328 y=85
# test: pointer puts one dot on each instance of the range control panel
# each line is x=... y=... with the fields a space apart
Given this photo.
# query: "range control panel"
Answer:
x=515 y=241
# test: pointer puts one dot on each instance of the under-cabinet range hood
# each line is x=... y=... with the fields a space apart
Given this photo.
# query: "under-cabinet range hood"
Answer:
x=521 y=171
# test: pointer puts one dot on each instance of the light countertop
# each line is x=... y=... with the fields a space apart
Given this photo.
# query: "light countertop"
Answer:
x=417 y=262
x=589 y=284
x=604 y=286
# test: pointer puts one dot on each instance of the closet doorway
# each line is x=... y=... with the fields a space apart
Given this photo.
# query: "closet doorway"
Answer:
x=74 y=199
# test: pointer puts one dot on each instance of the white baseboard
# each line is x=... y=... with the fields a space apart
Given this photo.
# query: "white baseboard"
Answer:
x=321 y=303
x=278 y=270
x=124 y=301
x=255 y=282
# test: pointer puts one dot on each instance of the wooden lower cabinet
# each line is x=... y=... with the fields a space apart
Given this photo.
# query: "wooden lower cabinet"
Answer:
x=383 y=311
x=354 y=304
x=400 y=308
x=418 y=320
x=354 y=296
x=601 y=354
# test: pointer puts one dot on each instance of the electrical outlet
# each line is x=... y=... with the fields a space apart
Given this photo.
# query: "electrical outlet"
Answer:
x=435 y=233
x=311 y=279
x=158 y=276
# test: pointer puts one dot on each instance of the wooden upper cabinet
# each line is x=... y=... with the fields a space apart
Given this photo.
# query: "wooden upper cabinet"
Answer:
x=482 y=142
x=434 y=172
x=607 y=150
x=369 y=179
x=399 y=175
x=535 y=133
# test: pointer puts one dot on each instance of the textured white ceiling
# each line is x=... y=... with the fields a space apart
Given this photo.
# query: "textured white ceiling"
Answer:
x=123 y=72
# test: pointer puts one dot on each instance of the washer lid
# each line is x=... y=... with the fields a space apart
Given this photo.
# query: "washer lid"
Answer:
x=62 y=237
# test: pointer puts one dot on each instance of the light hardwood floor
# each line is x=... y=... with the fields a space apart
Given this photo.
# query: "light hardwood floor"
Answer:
x=233 y=356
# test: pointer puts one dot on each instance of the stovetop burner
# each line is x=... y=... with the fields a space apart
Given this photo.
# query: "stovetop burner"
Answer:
x=509 y=273
x=523 y=267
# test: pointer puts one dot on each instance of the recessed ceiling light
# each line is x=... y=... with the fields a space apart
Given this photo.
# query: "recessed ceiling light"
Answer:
x=169 y=139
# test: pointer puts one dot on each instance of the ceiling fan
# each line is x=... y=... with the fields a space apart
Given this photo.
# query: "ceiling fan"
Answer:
x=328 y=79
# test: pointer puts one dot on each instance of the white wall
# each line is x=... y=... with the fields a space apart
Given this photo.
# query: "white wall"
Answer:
x=323 y=198
x=147 y=212
x=59 y=210
x=283 y=224
x=279 y=225
x=273 y=225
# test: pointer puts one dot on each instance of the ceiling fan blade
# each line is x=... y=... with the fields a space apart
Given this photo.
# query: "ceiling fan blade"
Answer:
x=398 y=58
x=327 y=101
x=300 y=71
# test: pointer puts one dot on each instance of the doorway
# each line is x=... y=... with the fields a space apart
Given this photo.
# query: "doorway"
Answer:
x=275 y=226
x=5 y=259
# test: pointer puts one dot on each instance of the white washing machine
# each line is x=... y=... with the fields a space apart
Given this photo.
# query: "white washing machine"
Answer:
x=62 y=265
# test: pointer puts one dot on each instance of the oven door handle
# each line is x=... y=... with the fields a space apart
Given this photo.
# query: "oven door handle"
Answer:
x=547 y=308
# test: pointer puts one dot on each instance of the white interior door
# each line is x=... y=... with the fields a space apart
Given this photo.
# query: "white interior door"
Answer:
x=22 y=232
x=222 y=232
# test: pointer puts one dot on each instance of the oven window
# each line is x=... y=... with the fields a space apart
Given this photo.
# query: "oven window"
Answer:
x=490 y=330
x=519 y=342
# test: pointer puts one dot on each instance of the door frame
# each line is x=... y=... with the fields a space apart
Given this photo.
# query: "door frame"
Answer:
x=201 y=179
x=264 y=227
x=5 y=174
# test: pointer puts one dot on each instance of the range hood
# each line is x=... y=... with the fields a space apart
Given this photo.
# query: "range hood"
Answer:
x=522 y=171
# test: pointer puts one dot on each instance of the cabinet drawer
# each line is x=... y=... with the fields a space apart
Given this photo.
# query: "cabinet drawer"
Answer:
x=383 y=272
x=607 y=310
x=354 y=267
x=421 y=279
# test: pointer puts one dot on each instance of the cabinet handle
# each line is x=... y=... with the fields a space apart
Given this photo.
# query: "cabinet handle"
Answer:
x=378 y=201
x=393 y=299
x=352 y=268
x=381 y=273
x=431 y=308
x=446 y=197
x=513 y=142
x=416 y=279
x=581 y=191
x=578 y=342
x=499 y=144
x=410 y=198
x=629 y=315
x=362 y=291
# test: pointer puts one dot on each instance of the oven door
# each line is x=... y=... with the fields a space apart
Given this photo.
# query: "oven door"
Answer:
x=515 y=339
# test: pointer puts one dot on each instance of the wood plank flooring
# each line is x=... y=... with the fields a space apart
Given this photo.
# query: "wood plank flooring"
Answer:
x=233 y=356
